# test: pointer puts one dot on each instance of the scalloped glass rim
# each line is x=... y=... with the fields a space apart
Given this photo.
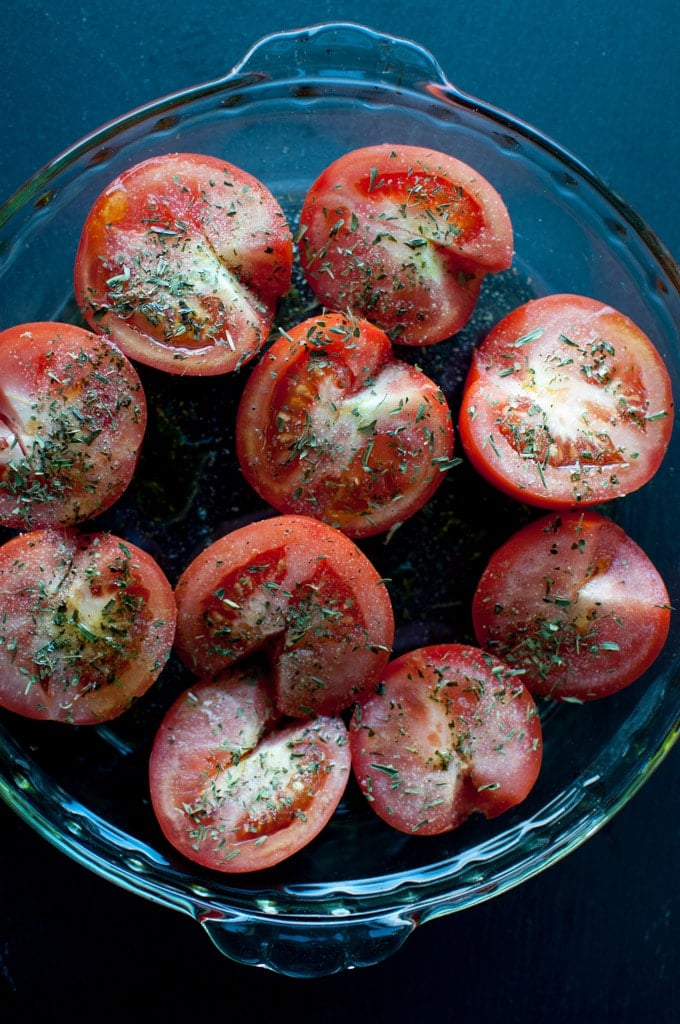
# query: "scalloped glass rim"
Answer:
x=444 y=886
x=284 y=71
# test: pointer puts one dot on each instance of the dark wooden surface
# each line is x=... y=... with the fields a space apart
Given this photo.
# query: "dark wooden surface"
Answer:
x=595 y=938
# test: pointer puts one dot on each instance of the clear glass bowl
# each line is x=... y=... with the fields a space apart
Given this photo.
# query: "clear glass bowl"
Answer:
x=295 y=102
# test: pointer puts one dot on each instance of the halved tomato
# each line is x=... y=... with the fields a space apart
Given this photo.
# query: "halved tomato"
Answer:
x=449 y=731
x=574 y=604
x=332 y=425
x=567 y=403
x=298 y=592
x=88 y=622
x=404 y=237
x=72 y=421
x=182 y=260
x=233 y=787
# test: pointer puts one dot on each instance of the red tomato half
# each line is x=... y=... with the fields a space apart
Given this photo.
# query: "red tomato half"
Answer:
x=72 y=420
x=403 y=236
x=574 y=604
x=233 y=787
x=87 y=623
x=298 y=591
x=182 y=260
x=567 y=403
x=449 y=731
x=333 y=426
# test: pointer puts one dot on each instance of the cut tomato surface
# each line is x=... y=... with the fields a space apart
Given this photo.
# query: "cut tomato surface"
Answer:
x=182 y=260
x=332 y=425
x=567 y=403
x=88 y=622
x=574 y=604
x=403 y=236
x=449 y=731
x=297 y=591
x=72 y=421
x=234 y=787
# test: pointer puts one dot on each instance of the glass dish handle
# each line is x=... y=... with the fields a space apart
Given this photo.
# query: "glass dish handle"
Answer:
x=309 y=949
x=344 y=51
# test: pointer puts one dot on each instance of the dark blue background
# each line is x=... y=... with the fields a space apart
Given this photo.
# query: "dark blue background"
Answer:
x=594 y=938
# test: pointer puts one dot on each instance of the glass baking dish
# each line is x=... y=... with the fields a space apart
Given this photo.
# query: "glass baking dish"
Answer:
x=295 y=102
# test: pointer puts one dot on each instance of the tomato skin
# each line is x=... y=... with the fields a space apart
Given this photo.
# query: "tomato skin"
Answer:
x=233 y=787
x=448 y=732
x=572 y=602
x=403 y=236
x=87 y=625
x=567 y=403
x=301 y=594
x=182 y=260
x=72 y=421
x=332 y=425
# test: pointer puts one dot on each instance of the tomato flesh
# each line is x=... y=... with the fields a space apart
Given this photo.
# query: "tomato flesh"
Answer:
x=332 y=425
x=574 y=604
x=567 y=403
x=182 y=260
x=448 y=732
x=404 y=237
x=88 y=622
x=72 y=421
x=298 y=592
x=234 y=787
